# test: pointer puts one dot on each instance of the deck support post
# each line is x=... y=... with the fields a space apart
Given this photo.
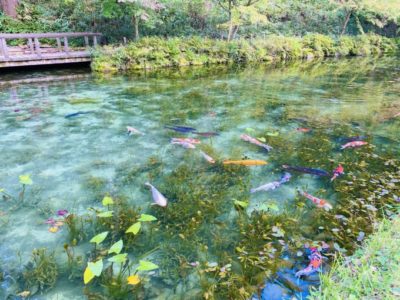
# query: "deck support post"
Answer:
x=31 y=47
x=66 y=47
x=37 y=47
x=3 y=48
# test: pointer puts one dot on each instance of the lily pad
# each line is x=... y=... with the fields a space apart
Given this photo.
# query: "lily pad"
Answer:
x=119 y=258
x=96 y=268
x=134 y=228
x=146 y=266
x=147 y=218
x=25 y=179
x=242 y=204
x=99 y=238
x=116 y=247
x=107 y=201
x=106 y=214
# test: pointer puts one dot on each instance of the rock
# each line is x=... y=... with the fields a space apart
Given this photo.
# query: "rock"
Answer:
x=273 y=291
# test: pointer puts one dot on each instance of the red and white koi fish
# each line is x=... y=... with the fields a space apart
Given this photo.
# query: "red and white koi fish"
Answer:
x=321 y=203
x=158 y=198
x=184 y=144
x=337 y=172
x=354 y=144
x=186 y=140
x=254 y=141
x=207 y=157
x=132 y=130
x=302 y=129
x=314 y=265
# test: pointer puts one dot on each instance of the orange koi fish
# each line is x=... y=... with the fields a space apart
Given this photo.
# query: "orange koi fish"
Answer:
x=302 y=129
x=314 y=265
x=185 y=140
x=254 y=141
x=247 y=162
x=354 y=144
x=319 y=202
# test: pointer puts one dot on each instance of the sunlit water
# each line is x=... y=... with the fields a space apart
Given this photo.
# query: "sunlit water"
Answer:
x=75 y=161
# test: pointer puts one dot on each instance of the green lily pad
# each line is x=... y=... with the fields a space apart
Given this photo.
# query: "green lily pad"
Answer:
x=261 y=139
x=248 y=129
x=146 y=266
x=241 y=203
x=116 y=247
x=119 y=258
x=25 y=179
x=96 y=267
x=106 y=214
x=107 y=201
x=147 y=218
x=99 y=238
x=134 y=228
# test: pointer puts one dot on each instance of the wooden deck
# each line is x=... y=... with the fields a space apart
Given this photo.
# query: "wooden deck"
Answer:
x=34 y=53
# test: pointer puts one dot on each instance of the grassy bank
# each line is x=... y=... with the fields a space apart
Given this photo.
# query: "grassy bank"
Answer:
x=373 y=272
x=152 y=53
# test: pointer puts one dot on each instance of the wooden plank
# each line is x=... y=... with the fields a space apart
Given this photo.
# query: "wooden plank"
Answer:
x=4 y=49
x=47 y=35
x=30 y=43
x=37 y=47
x=66 y=47
x=59 y=44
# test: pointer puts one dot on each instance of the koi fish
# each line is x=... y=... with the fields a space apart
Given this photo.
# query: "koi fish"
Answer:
x=321 y=203
x=246 y=162
x=185 y=140
x=311 y=171
x=337 y=172
x=304 y=130
x=77 y=114
x=353 y=144
x=272 y=185
x=207 y=157
x=158 y=198
x=266 y=187
x=314 y=265
x=184 y=144
x=183 y=129
x=132 y=130
x=254 y=141
x=354 y=138
x=206 y=134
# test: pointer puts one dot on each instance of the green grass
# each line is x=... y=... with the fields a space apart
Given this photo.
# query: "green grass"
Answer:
x=373 y=272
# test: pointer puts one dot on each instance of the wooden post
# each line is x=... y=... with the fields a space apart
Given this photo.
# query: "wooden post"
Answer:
x=59 y=44
x=86 y=41
x=66 y=48
x=94 y=41
x=30 y=43
x=37 y=47
x=3 y=48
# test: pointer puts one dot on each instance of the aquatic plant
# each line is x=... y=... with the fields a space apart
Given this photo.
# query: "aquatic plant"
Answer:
x=42 y=271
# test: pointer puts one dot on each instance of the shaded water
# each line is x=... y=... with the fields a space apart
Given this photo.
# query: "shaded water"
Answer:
x=74 y=162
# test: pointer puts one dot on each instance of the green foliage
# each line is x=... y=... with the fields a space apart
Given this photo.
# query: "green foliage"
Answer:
x=153 y=53
x=41 y=271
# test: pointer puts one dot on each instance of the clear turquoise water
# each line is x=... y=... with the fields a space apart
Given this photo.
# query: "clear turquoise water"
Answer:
x=74 y=162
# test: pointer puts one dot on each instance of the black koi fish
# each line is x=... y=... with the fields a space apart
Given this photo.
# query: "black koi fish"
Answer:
x=182 y=129
x=311 y=171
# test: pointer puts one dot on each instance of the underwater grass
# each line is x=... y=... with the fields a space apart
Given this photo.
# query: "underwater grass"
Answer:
x=373 y=272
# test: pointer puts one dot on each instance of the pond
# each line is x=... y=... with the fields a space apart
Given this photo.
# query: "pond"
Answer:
x=66 y=151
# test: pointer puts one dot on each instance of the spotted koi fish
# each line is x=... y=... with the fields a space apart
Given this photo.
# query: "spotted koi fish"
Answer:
x=207 y=157
x=254 y=141
x=314 y=265
x=132 y=130
x=321 y=203
x=337 y=172
x=184 y=144
x=354 y=144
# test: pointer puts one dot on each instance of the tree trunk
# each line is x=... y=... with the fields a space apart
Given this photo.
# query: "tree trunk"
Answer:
x=135 y=21
x=346 y=22
x=9 y=7
x=230 y=21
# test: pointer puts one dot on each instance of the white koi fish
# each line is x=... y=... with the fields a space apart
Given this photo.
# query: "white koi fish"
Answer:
x=254 y=141
x=158 y=198
x=132 y=130
x=266 y=187
x=184 y=144
x=207 y=157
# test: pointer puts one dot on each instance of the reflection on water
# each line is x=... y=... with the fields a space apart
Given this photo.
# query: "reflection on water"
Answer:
x=303 y=110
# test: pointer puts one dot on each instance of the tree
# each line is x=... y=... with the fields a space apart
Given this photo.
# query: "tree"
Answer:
x=242 y=11
x=9 y=7
x=138 y=10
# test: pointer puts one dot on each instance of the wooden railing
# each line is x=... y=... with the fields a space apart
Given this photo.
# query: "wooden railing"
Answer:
x=33 y=50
